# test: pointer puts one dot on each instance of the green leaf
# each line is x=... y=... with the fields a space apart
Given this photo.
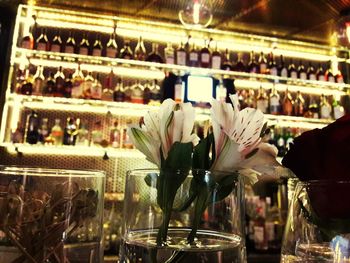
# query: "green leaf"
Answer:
x=201 y=153
x=179 y=157
x=225 y=187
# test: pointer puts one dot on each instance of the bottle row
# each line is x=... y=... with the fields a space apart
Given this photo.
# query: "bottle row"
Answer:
x=75 y=132
x=185 y=54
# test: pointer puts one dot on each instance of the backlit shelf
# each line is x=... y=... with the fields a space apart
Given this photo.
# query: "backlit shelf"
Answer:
x=139 y=110
x=152 y=70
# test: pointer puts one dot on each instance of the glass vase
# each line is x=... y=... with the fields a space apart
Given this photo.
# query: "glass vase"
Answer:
x=218 y=236
x=318 y=225
x=50 y=215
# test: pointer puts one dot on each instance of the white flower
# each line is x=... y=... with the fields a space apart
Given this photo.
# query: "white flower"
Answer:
x=160 y=130
x=236 y=135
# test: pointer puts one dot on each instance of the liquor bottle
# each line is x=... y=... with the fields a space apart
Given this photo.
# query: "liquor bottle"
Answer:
x=239 y=66
x=126 y=52
x=127 y=92
x=97 y=134
x=311 y=74
x=260 y=237
x=60 y=83
x=169 y=54
x=97 y=48
x=154 y=55
x=70 y=132
x=87 y=85
x=107 y=92
x=118 y=94
x=44 y=130
x=282 y=69
x=82 y=134
x=338 y=110
x=27 y=84
x=339 y=77
x=140 y=50
x=299 y=105
x=50 y=86
x=193 y=58
x=68 y=85
x=114 y=135
x=57 y=132
x=280 y=143
x=272 y=65
x=126 y=140
x=56 y=42
x=292 y=72
x=329 y=74
x=287 y=104
x=137 y=93
x=42 y=43
x=275 y=104
x=147 y=93
x=70 y=44
x=262 y=101
x=28 y=40
x=179 y=90
x=262 y=63
x=17 y=136
x=313 y=109
x=301 y=71
x=39 y=81
x=253 y=67
x=77 y=88
x=96 y=88
x=216 y=58
x=325 y=108
x=155 y=94
x=84 y=45
x=320 y=73
x=226 y=64
x=112 y=47
x=181 y=55
x=221 y=92
x=250 y=99
x=32 y=128
x=204 y=55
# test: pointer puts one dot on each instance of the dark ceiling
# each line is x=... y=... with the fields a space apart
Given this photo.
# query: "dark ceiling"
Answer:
x=311 y=20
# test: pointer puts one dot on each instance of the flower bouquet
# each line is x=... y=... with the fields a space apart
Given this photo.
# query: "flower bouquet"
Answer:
x=192 y=205
x=318 y=227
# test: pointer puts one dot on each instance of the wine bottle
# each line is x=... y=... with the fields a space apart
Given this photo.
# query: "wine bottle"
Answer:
x=44 y=130
x=42 y=43
x=193 y=58
x=221 y=92
x=82 y=133
x=262 y=64
x=178 y=90
x=155 y=94
x=107 y=91
x=137 y=93
x=204 y=56
x=70 y=44
x=118 y=94
x=84 y=45
x=28 y=40
x=320 y=75
x=169 y=54
x=56 y=42
x=339 y=77
x=329 y=73
x=60 y=83
x=216 y=58
x=50 y=86
x=275 y=104
x=338 y=109
x=325 y=108
x=299 y=105
x=39 y=80
x=112 y=47
x=282 y=69
x=226 y=64
x=147 y=93
x=114 y=135
x=68 y=85
x=32 y=128
x=57 y=132
x=287 y=104
x=78 y=79
x=272 y=65
x=126 y=52
x=96 y=88
x=262 y=101
x=70 y=132
x=311 y=74
x=87 y=85
x=27 y=85
x=301 y=71
x=97 y=48
x=181 y=55
x=154 y=55
x=239 y=66
x=292 y=72
x=253 y=67
x=140 y=50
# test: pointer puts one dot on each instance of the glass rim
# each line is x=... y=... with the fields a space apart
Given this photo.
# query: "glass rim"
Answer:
x=44 y=171
x=141 y=171
x=323 y=182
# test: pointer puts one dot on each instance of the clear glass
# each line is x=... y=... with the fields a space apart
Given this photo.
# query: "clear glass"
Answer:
x=50 y=215
x=318 y=225
x=220 y=235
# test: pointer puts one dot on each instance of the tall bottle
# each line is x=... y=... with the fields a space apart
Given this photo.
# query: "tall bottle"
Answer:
x=260 y=235
x=226 y=63
x=275 y=103
x=126 y=52
x=39 y=81
x=70 y=44
x=204 y=56
x=27 y=84
x=42 y=43
x=56 y=42
x=68 y=85
x=84 y=45
x=147 y=93
x=107 y=92
x=82 y=134
x=262 y=102
x=221 y=92
x=301 y=71
x=32 y=128
x=262 y=63
x=50 y=85
x=114 y=135
x=118 y=94
x=272 y=65
x=292 y=72
x=239 y=66
x=179 y=90
x=96 y=134
x=96 y=88
x=216 y=58
x=77 y=81
x=44 y=130
x=287 y=104
x=329 y=74
x=154 y=55
x=57 y=132
x=140 y=50
x=59 y=82
x=320 y=75
x=28 y=40
x=112 y=47
x=325 y=108
x=181 y=56
x=338 y=109
x=137 y=93
x=97 y=47
x=70 y=132
x=311 y=74
x=87 y=85
x=314 y=109
x=155 y=94
x=253 y=67
x=193 y=57
x=169 y=54
x=299 y=105
x=339 y=77
x=282 y=69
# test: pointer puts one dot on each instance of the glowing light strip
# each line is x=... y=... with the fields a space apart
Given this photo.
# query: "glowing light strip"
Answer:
x=83 y=151
x=163 y=32
x=152 y=70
